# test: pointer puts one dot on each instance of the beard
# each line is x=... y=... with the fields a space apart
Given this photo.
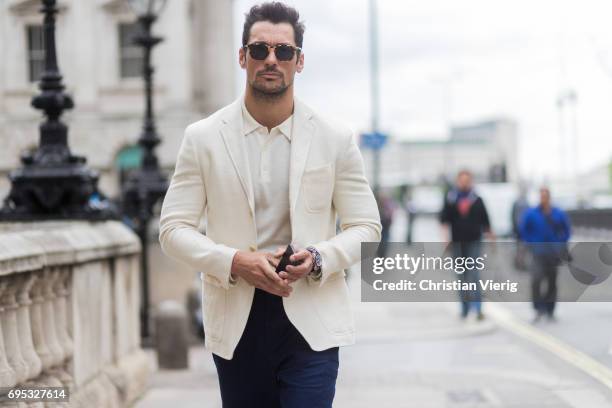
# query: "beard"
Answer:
x=263 y=90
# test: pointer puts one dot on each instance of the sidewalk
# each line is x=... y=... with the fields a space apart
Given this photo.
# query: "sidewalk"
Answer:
x=429 y=358
x=420 y=355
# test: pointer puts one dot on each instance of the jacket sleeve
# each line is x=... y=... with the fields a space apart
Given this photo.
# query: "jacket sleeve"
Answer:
x=486 y=223
x=358 y=213
x=445 y=214
x=182 y=209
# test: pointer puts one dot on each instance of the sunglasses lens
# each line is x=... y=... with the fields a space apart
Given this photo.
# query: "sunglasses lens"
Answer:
x=284 y=52
x=258 y=51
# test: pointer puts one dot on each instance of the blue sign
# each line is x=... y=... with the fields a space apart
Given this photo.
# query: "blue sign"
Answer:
x=374 y=140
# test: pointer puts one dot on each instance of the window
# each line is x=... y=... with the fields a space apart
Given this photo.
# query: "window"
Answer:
x=131 y=58
x=36 y=51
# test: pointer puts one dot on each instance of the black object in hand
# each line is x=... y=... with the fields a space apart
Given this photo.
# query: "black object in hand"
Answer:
x=282 y=265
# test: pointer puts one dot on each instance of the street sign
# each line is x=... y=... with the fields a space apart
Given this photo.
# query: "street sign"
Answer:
x=374 y=140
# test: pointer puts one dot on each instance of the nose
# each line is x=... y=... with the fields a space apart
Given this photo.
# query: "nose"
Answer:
x=271 y=58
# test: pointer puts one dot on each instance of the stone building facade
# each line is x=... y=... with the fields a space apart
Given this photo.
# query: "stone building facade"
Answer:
x=101 y=69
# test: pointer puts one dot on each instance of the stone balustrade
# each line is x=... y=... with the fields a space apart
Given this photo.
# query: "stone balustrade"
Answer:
x=69 y=311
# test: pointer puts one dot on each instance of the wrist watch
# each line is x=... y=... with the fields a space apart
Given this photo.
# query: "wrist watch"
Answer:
x=317 y=262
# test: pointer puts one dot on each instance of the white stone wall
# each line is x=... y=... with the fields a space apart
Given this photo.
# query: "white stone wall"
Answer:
x=69 y=311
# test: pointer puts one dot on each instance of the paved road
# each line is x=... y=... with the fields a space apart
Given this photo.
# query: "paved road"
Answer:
x=585 y=326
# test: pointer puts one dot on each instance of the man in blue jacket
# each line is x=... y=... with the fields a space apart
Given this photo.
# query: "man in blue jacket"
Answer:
x=546 y=230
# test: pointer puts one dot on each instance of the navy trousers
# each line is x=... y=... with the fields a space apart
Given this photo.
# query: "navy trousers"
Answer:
x=273 y=366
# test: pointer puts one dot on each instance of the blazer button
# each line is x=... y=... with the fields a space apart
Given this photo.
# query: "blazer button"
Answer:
x=253 y=248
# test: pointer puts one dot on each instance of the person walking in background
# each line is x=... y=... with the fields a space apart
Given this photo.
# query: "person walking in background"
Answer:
x=408 y=207
x=546 y=230
x=519 y=207
x=465 y=217
x=267 y=171
x=386 y=208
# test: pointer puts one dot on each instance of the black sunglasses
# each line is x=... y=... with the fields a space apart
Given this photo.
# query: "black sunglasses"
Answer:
x=283 y=52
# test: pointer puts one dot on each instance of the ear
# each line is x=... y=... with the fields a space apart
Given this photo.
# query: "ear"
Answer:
x=300 y=63
x=242 y=58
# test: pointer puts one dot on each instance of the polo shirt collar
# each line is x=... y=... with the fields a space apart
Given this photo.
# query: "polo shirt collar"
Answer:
x=249 y=124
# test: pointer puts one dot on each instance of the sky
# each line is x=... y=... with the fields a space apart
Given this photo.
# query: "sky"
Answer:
x=451 y=62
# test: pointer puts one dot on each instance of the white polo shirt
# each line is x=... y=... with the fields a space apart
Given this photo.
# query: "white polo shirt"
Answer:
x=268 y=155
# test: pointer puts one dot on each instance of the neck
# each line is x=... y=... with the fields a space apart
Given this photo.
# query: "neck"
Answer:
x=269 y=112
x=546 y=207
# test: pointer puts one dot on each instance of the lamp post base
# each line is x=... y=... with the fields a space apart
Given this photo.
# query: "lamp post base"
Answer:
x=53 y=192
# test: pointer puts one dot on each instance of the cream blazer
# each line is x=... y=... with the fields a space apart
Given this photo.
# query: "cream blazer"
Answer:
x=327 y=180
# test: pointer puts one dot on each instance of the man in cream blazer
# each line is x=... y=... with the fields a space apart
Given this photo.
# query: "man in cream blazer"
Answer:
x=322 y=176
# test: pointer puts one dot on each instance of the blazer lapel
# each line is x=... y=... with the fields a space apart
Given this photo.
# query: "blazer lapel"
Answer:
x=301 y=136
x=231 y=130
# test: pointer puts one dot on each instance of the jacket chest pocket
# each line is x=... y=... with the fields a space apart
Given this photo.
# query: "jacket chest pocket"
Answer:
x=318 y=186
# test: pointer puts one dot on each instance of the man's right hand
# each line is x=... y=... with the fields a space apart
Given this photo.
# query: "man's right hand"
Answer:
x=257 y=270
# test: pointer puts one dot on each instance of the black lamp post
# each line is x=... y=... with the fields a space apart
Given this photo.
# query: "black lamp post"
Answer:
x=146 y=185
x=53 y=183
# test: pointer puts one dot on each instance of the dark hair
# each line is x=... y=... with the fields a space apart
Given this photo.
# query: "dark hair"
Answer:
x=274 y=12
x=464 y=172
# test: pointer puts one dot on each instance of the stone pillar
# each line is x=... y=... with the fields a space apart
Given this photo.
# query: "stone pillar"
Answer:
x=10 y=332
x=38 y=331
x=25 y=328
x=57 y=373
x=61 y=312
x=48 y=312
x=209 y=20
x=26 y=281
x=7 y=375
